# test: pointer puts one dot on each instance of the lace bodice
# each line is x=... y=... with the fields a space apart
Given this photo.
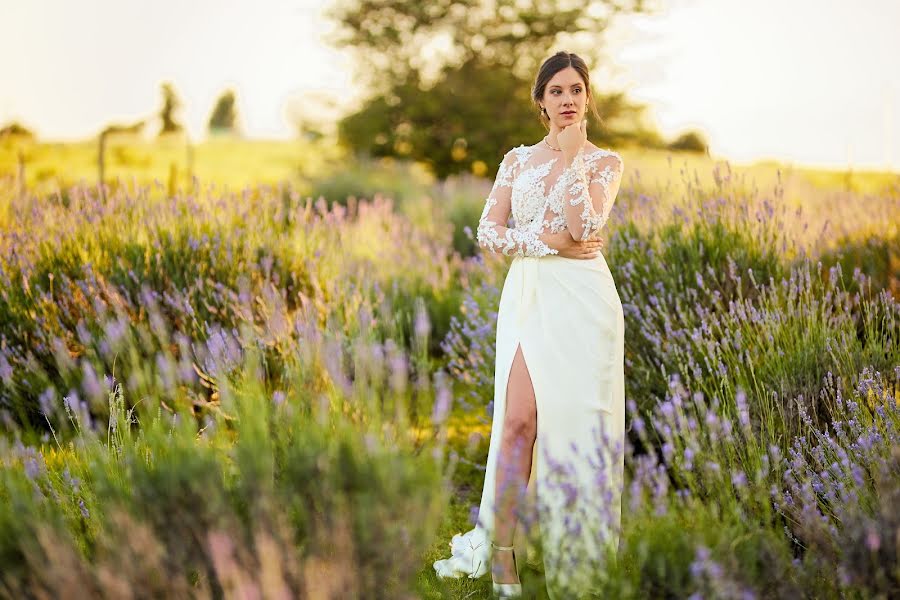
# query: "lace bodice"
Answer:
x=579 y=198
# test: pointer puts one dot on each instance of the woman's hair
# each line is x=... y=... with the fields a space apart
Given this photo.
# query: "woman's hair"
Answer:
x=551 y=67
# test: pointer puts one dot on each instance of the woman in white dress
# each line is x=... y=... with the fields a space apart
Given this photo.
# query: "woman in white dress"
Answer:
x=559 y=389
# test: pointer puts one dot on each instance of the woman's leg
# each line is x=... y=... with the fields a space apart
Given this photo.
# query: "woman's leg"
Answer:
x=514 y=463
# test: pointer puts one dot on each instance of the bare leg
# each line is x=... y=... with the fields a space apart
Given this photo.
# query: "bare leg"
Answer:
x=514 y=463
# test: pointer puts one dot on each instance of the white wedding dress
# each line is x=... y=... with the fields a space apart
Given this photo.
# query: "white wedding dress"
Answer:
x=566 y=315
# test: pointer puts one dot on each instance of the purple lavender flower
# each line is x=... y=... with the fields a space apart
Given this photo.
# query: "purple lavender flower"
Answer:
x=443 y=399
x=45 y=400
x=422 y=325
x=740 y=399
x=688 y=459
x=89 y=383
x=6 y=369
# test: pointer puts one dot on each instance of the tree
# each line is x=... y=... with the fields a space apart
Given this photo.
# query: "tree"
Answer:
x=394 y=38
x=692 y=141
x=15 y=129
x=450 y=80
x=224 y=114
x=171 y=105
x=170 y=125
x=451 y=126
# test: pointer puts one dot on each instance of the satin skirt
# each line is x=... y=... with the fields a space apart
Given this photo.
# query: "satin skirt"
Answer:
x=567 y=316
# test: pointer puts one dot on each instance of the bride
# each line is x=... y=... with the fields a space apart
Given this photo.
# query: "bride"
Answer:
x=559 y=390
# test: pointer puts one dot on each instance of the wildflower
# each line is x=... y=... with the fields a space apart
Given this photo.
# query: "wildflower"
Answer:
x=443 y=399
x=873 y=541
x=688 y=459
x=740 y=399
x=6 y=369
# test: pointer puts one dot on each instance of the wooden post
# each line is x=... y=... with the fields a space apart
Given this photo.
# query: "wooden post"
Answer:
x=132 y=129
x=21 y=183
x=101 y=163
x=173 y=179
x=190 y=160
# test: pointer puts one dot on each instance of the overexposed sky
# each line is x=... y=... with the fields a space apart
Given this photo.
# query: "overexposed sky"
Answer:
x=808 y=81
x=68 y=68
x=813 y=82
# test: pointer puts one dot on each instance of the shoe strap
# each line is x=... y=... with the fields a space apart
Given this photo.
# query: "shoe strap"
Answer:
x=502 y=547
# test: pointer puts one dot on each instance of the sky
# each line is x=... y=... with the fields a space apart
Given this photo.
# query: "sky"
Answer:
x=807 y=82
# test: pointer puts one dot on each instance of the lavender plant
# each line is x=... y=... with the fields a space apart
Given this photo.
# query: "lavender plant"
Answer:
x=174 y=280
x=267 y=497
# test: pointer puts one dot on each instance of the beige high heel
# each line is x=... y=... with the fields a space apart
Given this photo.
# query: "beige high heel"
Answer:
x=507 y=590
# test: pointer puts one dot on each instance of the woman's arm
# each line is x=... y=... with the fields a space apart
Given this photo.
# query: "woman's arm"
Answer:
x=590 y=191
x=492 y=234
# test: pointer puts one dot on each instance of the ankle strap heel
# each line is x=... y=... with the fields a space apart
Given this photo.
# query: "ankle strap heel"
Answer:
x=506 y=590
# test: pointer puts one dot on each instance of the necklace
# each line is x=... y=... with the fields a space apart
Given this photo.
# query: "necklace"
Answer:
x=549 y=146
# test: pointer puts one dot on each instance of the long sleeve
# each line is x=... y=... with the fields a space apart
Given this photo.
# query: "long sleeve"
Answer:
x=590 y=191
x=492 y=232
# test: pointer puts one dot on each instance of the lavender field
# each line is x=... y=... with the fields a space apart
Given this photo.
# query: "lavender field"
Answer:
x=272 y=393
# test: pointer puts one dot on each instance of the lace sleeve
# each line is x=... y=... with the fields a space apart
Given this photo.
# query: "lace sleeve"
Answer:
x=591 y=191
x=493 y=234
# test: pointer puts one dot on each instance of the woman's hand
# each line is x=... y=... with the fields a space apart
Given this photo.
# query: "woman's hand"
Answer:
x=567 y=247
x=572 y=138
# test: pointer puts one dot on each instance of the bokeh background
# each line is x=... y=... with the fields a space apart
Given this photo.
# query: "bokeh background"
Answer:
x=246 y=333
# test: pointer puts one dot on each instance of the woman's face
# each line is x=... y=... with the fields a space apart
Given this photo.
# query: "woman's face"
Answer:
x=565 y=98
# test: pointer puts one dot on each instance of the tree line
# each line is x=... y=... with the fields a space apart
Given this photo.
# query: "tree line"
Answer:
x=223 y=118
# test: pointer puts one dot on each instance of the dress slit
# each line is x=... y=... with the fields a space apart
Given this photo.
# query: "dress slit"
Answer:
x=519 y=346
x=501 y=424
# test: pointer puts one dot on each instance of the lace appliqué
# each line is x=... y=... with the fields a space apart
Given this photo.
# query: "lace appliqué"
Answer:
x=521 y=240
x=606 y=176
x=520 y=192
x=505 y=174
x=529 y=198
x=515 y=241
x=575 y=182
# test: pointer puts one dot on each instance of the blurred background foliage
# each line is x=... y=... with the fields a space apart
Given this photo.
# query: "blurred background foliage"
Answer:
x=450 y=81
